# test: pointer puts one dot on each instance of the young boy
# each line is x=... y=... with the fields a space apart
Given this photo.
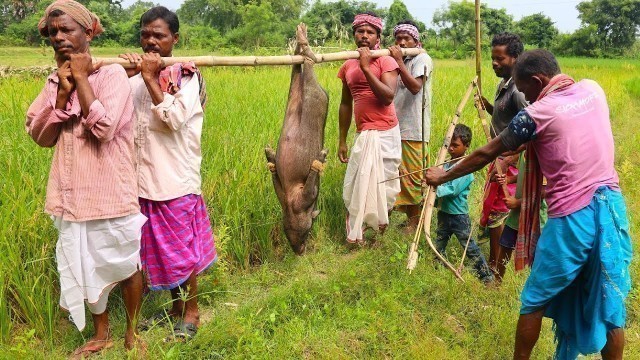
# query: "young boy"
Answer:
x=453 y=213
x=512 y=223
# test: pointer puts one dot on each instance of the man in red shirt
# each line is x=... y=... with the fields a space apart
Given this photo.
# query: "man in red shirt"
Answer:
x=368 y=89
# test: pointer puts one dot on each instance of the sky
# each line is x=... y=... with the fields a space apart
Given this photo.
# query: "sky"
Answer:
x=562 y=12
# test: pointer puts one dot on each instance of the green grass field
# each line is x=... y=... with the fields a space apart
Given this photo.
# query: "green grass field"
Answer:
x=261 y=301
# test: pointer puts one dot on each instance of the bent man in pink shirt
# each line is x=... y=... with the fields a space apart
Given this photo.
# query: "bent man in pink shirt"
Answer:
x=86 y=113
x=580 y=271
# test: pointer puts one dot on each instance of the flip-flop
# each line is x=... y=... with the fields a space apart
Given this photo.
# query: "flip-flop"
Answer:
x=184 y=330
x=157 y=319
x=91 y=348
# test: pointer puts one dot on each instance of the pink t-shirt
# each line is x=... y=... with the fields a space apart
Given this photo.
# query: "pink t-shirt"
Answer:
x=369 y=112
x=574 y=144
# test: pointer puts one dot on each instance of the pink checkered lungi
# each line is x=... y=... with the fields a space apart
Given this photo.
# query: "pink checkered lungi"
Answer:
x=176 y=240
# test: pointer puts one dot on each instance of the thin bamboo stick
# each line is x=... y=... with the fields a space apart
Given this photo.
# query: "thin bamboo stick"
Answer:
x=262 y=60
x=427 y=211
x=424 y=107
x=464 y=253
x=478 y=46
x=487 y=132
x=423 y=169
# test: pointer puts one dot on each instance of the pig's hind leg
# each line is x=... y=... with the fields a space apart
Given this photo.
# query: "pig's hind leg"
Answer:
x=271 y=164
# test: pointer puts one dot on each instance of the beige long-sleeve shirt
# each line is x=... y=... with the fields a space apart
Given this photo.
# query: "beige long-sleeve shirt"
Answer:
x=92 y=172
x=168 y=141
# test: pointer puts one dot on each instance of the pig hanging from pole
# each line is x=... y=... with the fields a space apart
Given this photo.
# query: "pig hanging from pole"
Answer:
x=296 y=164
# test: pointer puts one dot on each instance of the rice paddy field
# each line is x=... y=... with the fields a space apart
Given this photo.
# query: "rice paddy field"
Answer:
x=260 y=301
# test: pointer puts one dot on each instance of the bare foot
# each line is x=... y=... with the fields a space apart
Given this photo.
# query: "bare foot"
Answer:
x=136 y=346
x=410 y=230
x=92 y=347
x=352 y=246
x=375 y=243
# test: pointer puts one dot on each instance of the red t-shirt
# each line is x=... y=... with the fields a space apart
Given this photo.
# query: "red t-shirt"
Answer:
x=369 y=112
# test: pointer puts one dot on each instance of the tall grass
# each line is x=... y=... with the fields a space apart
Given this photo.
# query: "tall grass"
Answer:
x=327 y=304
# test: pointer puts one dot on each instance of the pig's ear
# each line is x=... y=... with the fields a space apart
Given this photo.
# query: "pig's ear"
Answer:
x=315 y=214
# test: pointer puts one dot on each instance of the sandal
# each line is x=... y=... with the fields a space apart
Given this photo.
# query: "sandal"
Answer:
x=90 y=348
x=184 y=330
x=162 y=317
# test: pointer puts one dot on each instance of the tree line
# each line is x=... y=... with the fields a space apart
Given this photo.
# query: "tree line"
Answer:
x=609 y=28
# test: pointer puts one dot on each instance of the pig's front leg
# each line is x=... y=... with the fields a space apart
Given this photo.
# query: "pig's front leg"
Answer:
x=271 y=164
x=311 y=185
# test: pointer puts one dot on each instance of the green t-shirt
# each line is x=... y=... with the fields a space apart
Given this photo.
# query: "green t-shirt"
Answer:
x=513 y=219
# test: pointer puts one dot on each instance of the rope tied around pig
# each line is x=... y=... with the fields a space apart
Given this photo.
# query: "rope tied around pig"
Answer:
x=317 y=166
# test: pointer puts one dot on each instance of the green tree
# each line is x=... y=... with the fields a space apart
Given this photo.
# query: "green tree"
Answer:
x=226 y=15
x=537 y=30
x=223 y=15
x=200 y=37
x=456 y=24
x=583 y=42
x=616 y=22
x=19 y=20
x=495 y=21
x=260 y=26
x=129 y=25
x=332 y=20
x=398 y=12
x=110 y=13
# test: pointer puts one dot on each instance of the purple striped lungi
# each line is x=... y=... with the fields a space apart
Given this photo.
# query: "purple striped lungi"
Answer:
x=176 y=240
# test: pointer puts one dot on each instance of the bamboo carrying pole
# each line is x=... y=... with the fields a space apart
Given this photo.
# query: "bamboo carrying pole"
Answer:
x=261 y=60
x=427 y=211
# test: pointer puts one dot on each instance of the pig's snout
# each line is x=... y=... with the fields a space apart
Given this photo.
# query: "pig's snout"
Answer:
x=299 y=249
x=297 y=231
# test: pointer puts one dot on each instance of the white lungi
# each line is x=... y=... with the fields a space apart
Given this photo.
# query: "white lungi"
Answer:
x=375 y=157
x=93 y=257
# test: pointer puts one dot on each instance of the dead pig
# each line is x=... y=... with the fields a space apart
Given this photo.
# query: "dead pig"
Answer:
x=296 y=165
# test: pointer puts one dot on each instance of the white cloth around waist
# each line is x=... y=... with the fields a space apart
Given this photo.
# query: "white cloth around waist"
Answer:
x=374 y=158
x=93 y=257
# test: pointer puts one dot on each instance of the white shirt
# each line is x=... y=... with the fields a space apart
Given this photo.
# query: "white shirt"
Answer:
x=167 y=138
x=409 y=106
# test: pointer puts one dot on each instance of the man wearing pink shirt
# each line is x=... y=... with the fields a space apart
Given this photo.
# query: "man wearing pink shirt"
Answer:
x=580 y=272
x=368 y=89
x=86 y=112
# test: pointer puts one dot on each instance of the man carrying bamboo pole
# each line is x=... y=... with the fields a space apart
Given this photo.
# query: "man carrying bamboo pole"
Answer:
x=414 y=118
x=86 y=112
x=376 y=153
x=580 y=274
x=505 y=49
x=177 y=241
